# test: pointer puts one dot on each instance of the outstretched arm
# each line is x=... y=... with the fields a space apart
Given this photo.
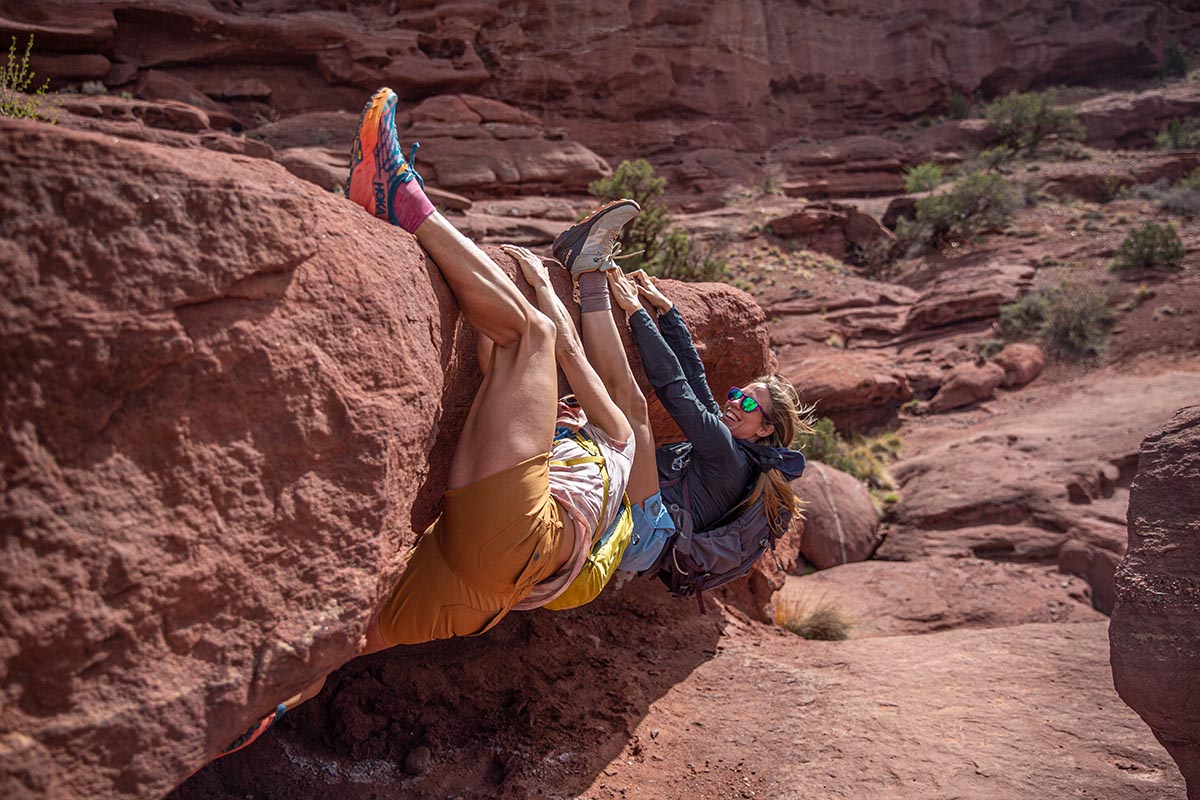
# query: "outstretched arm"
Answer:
x=568 y=350
x=678 y=337
x=700 y=422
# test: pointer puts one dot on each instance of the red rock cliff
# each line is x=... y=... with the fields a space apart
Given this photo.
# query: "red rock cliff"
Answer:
x=623 y=78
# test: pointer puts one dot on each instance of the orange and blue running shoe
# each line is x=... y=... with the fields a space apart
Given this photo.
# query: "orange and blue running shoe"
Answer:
x=254 y=731
x=381 y=178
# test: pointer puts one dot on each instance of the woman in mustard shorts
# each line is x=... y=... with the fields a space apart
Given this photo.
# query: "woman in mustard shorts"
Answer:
x=534 y=511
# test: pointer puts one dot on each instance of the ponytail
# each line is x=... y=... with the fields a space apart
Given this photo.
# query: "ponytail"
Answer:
x=790 y=418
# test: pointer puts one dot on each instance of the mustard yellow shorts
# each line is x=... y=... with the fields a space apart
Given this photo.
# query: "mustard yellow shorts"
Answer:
x=495 y=540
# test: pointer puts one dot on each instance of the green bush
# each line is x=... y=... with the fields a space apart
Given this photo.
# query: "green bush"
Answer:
x=866 y=458
x=1024 y=318
x=646 y=242
x=922 y=178
x=16 y=78
x=1191 y=181
x=1070 y=322
x=1077 y=321
x=959 y=107
x=1178 y=134
x=1151 y=246
x=1184 y=197
x=977 y=202
x=995 y=159
x=1175 y=62
x=1024 y=122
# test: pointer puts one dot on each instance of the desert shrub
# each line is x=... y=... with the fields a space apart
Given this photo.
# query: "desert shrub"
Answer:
x=648 y=242
x=1071 y=322
x=866 y=458
x=922 y=178
x=1077 y=321
x=16 y=78
x=977 y=202
x=1175 y=62
x=1111 y=187
x=1191 y=181
x=994 y=159
x=1026 y=121
x=1024 y=318
x=1178 y=134
x=959 y=106
x=822 y=622
x=1184 y=197
x=1151 y=246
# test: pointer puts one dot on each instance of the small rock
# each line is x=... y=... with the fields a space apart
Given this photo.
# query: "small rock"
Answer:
x=417 y=760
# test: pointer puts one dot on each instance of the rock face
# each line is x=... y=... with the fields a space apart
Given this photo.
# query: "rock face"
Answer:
x=840 y=524
x=892 y=598
x=703 y=74
x=1155 y=631
x=229 y=400
x=1043 y=482
x=967 y=383
x=832 y=228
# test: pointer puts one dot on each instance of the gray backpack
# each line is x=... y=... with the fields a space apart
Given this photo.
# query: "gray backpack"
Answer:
x=694 y=561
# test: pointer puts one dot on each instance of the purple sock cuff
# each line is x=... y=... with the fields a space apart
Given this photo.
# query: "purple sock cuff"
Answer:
x=593 y=292
x=411 y=206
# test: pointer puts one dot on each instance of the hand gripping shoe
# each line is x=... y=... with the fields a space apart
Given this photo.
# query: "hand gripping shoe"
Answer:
x=589 y=245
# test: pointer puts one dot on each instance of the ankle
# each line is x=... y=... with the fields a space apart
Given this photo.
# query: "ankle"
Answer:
x=411 y=206
x=593 y=292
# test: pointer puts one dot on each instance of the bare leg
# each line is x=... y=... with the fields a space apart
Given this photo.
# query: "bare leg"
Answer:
x=589 y=390
x=512 y=417
x=606 y=352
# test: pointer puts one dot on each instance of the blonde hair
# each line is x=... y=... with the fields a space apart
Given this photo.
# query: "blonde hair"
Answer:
x=790 y=418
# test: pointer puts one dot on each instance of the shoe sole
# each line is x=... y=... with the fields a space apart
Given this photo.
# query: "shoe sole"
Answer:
x=364 y=154
x=566 y=242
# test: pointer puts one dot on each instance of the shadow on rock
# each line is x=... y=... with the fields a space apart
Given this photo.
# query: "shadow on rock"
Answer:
x=543 y=703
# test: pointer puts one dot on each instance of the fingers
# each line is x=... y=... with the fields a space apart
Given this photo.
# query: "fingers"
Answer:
x=519 y=253
x=641 y=278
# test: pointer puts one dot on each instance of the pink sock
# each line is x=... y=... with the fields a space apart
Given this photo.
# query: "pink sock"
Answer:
x=593 y=292
x=410 y=206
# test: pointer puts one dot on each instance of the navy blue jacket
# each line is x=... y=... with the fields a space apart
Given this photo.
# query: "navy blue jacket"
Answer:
x=722 y=470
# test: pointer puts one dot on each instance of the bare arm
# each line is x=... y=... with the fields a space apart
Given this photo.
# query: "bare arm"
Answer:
x=568 y=350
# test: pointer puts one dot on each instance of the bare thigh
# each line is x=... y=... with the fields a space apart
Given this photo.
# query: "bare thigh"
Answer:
x=512 y=417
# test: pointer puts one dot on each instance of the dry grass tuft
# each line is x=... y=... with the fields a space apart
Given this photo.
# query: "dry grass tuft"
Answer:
x=820 y=620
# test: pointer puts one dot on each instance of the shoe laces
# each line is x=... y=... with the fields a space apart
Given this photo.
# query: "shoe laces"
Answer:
x=412 y=165
x=610 y=246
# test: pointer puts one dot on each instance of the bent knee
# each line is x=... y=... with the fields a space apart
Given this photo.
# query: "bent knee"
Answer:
x=538 y=330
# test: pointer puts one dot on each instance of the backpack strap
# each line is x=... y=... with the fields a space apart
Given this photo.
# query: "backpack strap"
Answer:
x=588 y=445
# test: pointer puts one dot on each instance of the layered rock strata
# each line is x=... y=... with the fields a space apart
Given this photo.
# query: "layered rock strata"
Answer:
x=1155 y=631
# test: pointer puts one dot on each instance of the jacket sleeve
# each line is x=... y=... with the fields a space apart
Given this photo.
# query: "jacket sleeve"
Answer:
x=679 y=339
x=700 y=421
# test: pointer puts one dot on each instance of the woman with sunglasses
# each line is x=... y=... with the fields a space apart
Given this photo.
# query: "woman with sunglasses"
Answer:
x=734 y=455
x=533 y=514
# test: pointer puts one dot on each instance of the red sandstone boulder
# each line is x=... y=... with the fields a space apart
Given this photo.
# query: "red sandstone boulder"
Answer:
x=847 y=383
x=1155 y=631
x=1132 y=119
x=961 y=294
x=833 y=228
x=840 y=523
x=1022 y=362
x=229 y=403
x=967 y=383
